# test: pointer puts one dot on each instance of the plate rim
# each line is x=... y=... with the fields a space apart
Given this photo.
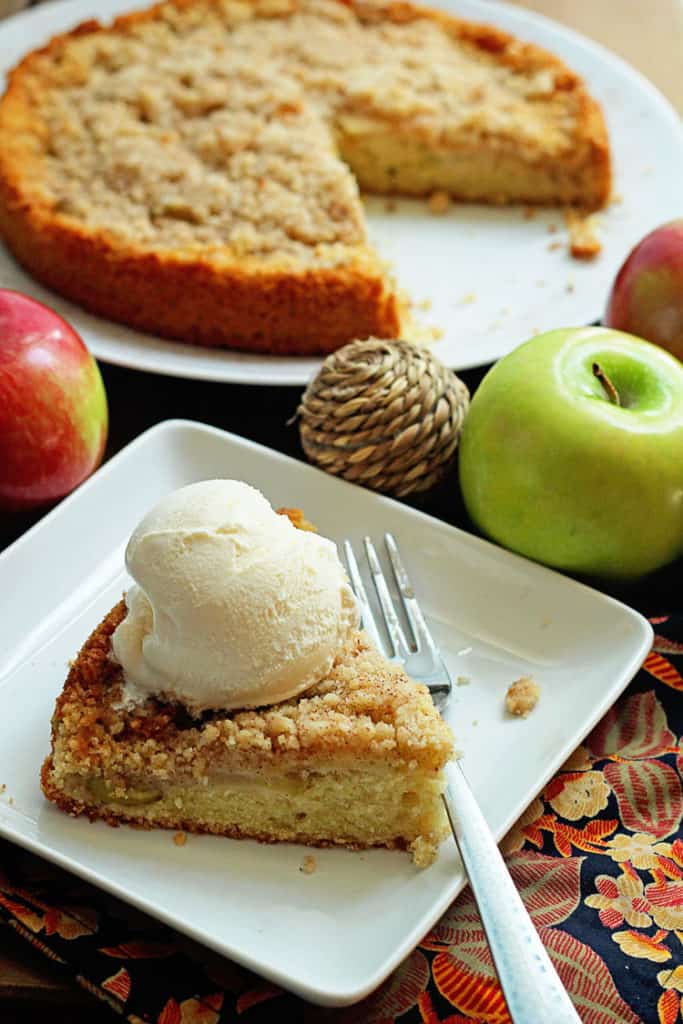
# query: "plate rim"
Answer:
x=246 y=368
x=321 y=995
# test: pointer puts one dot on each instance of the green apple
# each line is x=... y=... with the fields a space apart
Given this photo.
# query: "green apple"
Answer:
x=572 y=453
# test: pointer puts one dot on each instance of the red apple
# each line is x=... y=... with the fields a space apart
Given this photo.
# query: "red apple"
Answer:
x=53 y=407
x=647 y=295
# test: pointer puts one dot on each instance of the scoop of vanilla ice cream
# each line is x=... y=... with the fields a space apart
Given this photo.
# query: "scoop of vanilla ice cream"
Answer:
x=232 y=606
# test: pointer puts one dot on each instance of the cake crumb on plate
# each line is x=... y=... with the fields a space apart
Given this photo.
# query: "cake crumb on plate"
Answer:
x=180 y=838
x=439 y=202
x=522 y=696
x=423 y=852
x=308 y=864
x=584 y=243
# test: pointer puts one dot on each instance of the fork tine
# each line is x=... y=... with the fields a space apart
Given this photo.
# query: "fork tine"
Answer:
x=421 y=633
x=368 y=619
x=396 y=634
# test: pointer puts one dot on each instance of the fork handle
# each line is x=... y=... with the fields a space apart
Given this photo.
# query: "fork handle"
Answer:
x=533 y=991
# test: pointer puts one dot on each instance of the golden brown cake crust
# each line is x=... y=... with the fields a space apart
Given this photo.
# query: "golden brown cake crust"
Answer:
x=274 y=311
x=217 y=297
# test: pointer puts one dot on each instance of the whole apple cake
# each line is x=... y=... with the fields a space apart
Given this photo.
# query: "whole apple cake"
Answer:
x=194 y=169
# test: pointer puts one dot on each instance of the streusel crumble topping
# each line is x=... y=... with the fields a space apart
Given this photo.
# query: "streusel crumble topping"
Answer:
x=365 y=706
x=218 y=124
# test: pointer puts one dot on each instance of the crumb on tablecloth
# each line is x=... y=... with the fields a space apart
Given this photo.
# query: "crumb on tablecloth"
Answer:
x=522 y=696
x=467 y=299
x=308 y=864
x=463 y=681
x=180 y=838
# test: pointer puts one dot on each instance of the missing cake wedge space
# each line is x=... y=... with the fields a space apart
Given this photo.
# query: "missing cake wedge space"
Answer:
x=194 y=170
x=356 y=761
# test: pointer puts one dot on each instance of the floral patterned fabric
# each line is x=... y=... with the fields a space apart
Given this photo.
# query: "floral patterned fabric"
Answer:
x=597 y=857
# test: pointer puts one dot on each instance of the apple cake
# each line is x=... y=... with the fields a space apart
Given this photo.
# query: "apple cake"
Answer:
x=193 y=170
x=356 y=761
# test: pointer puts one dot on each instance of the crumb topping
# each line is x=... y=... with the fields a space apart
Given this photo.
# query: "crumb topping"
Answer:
x=215 y=126
x=365 y=707
x=297 y=518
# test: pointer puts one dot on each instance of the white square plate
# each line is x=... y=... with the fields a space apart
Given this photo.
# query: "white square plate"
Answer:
x=334 y=935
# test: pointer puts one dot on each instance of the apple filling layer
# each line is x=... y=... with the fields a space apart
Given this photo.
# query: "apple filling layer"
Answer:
x=372 y=805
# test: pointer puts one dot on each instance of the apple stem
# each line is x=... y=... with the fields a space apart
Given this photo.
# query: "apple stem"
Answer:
x=607 y=384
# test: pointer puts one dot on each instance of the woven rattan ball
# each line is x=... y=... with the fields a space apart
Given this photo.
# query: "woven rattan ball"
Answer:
x=384 y=414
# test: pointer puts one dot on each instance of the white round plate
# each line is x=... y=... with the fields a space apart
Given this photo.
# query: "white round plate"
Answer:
x=488 y=278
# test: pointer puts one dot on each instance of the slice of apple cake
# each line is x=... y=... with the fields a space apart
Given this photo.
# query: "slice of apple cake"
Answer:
x=232 y=692
x=356 y=761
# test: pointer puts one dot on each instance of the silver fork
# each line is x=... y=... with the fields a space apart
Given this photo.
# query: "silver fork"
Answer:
x=533 y=992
